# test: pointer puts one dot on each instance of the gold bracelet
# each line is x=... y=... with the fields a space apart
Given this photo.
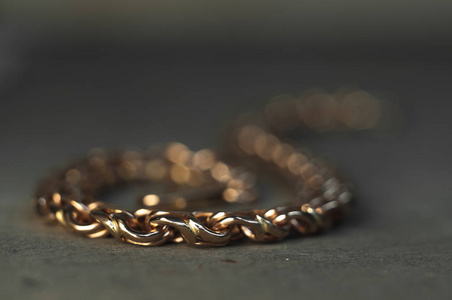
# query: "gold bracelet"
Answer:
x=321 y=195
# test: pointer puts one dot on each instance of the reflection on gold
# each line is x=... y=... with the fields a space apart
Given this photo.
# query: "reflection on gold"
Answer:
x=179 y=173
x=280 y=218
x=56 y=197
x=220 y=172
x=246 y=138
x=178 y=153
x=295 y=162
x=142 y=212
x=260 y=143
x=318 y=110
x=190 y=177
x=230 y=195
x=332 y=184
x=42 y=201
x=281 y=154
x=316 y=181
x=345 y=197
x=265 y=145
x=236 y=184
x=359 y=110
x=308 y=170
x=155 y=169
x=204 y=159
x=151 y=200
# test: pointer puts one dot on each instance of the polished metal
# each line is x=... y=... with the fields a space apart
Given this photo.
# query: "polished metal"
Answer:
x=322 y=196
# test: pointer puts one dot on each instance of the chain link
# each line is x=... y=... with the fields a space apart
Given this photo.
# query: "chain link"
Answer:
x=322 y=196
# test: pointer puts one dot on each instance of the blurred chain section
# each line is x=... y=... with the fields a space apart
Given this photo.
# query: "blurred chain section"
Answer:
x=321 y=195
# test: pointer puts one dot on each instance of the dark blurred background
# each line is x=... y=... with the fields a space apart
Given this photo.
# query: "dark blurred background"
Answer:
x=81 y=74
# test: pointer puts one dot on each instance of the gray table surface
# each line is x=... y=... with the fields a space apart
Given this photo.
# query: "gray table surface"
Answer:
x=396 y=245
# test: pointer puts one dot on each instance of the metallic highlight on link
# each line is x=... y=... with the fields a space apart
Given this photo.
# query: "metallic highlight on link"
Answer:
x=322 y=196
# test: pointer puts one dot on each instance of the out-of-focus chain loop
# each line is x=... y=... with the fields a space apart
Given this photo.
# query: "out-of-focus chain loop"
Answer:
x=322 y=197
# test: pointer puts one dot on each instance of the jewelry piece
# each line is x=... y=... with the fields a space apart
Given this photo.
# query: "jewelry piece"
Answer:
x=321 y=195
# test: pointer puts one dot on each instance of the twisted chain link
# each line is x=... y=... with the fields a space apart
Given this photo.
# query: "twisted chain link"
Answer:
x=322 y=196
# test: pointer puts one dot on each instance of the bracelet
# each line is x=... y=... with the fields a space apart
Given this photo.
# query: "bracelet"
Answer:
x=321 y=195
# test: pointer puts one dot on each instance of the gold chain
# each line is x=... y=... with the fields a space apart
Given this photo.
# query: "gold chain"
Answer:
x=321 y=195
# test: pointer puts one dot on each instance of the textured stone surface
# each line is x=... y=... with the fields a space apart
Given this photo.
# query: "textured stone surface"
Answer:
x=61 y=106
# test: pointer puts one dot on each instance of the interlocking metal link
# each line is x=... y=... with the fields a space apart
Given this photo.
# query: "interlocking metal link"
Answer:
x=321 y=195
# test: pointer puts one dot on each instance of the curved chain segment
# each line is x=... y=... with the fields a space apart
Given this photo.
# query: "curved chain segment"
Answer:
x=67 y=195
x=192 y=230
x=254 y=226
x=76 y=217
x=119 y=225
